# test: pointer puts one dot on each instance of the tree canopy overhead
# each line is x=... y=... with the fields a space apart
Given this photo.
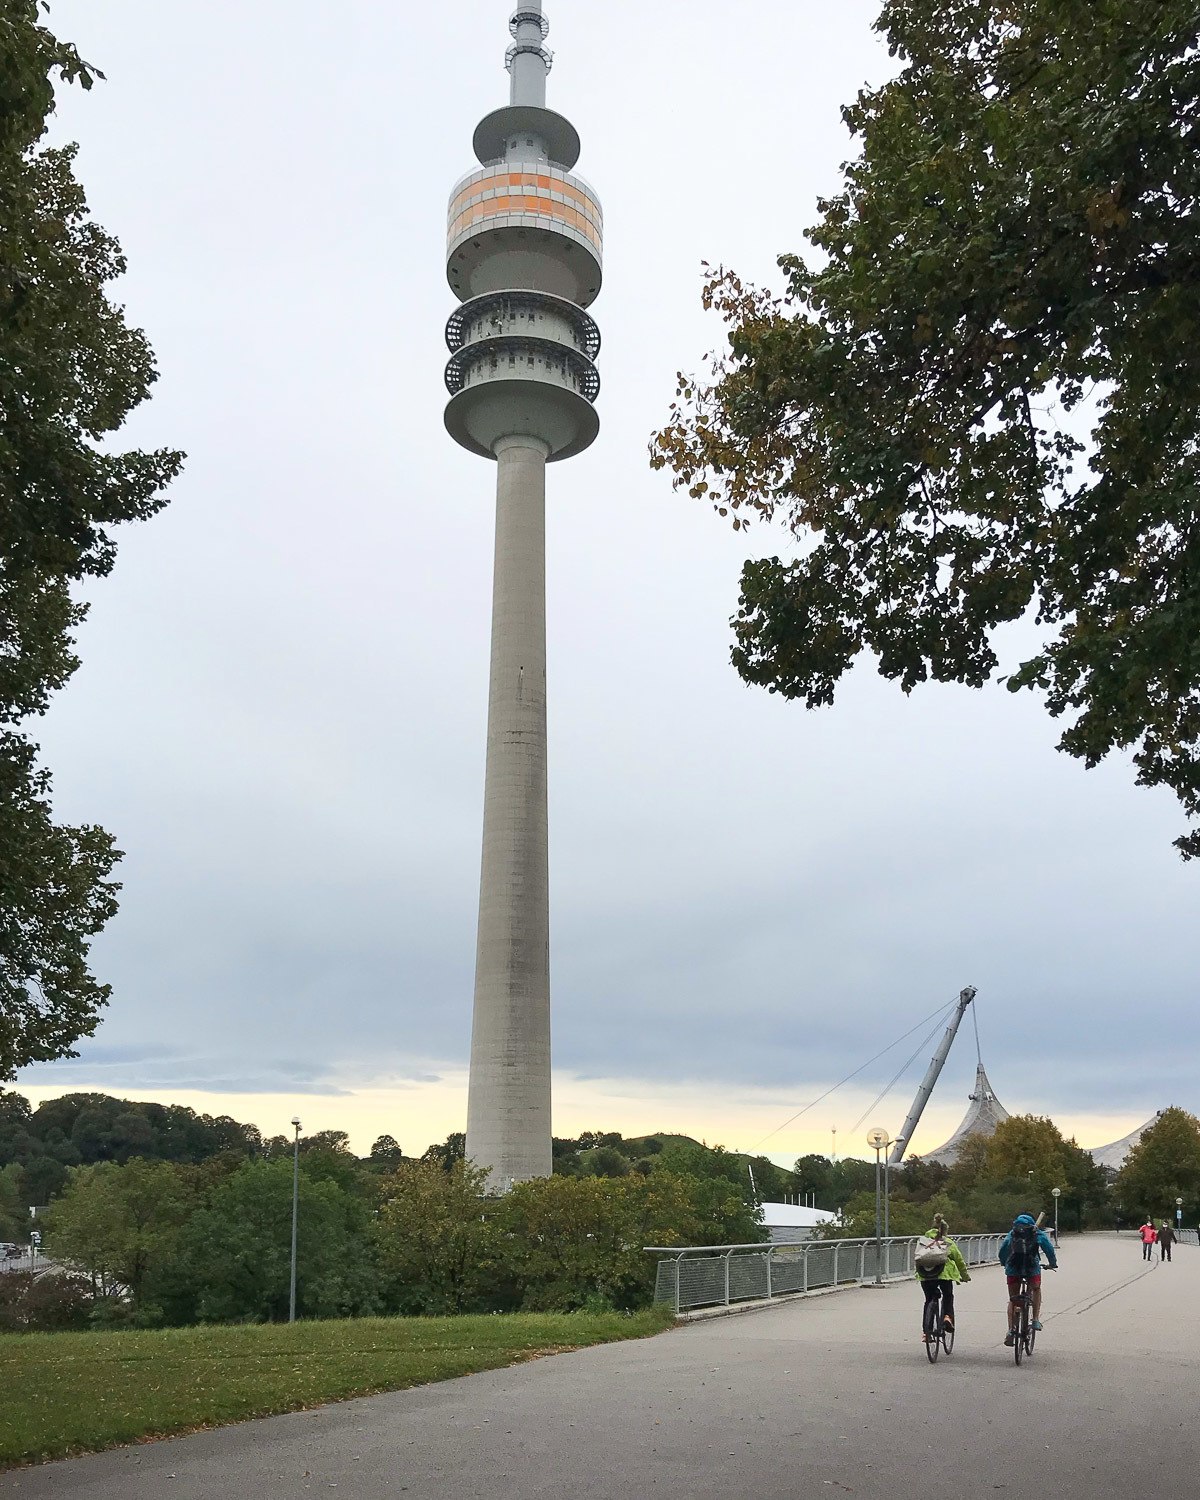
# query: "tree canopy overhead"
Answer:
x=980 y=400
x=71 y=371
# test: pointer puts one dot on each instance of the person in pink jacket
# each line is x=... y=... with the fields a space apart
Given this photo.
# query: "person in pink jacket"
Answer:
x=1149 y=1234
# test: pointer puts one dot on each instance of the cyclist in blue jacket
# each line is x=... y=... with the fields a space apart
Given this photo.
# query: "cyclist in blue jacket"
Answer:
x=1019 y=1255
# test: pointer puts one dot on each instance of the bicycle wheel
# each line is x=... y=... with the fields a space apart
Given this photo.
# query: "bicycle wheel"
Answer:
x=929 y=1322
x=1030 y=1331
x=948 y=1340
x=1019 y=1330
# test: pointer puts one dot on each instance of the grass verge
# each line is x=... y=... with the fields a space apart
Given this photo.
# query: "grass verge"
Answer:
x=67 y=1393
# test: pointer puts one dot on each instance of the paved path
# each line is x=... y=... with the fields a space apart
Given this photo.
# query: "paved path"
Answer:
x=825 y=1397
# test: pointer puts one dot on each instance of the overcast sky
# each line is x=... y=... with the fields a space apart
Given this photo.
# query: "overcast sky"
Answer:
x=281 y=708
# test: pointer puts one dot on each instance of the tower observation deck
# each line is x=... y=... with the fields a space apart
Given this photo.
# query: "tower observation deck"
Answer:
x=524 y=248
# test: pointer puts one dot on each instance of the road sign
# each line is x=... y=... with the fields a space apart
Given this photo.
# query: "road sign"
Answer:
x=35 y=1237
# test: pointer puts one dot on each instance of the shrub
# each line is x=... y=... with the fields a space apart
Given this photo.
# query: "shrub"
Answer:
x=44 y=1301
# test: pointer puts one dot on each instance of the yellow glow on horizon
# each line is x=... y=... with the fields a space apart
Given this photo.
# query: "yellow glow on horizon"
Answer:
x=419 y=1113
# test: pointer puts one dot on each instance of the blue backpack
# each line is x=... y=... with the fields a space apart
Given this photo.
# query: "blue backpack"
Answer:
x=1023 y=1250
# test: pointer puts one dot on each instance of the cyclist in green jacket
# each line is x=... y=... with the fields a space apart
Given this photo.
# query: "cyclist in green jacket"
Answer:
x=940 y=1283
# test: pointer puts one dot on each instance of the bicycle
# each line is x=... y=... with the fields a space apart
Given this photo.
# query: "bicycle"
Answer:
x=1021 y=1326
x=933 y=1327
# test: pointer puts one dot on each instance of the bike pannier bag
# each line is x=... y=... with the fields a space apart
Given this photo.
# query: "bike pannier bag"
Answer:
x=931 y=1256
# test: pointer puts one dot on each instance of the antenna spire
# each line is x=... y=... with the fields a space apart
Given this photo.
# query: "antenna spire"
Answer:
x=527 y=60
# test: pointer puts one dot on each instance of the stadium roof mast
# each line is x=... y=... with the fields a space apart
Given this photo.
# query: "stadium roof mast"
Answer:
x=935 y=1067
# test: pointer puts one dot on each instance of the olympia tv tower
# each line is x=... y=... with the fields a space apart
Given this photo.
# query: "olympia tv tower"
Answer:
x=523 y=256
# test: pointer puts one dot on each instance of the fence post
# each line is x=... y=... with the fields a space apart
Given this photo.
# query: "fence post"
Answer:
x=835 y=1261
x=770 y=1253
x=806 y=1268
x=728 y=1258
x=678 y=1261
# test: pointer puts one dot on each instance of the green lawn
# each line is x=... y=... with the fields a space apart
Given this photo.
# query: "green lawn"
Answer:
x=66 y=1393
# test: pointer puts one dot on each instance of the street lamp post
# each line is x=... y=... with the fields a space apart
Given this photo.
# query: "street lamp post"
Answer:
x=295 y=1216
x=1057 y=1192
x=887 y=1200
x=877 y=1139
x=1178 y=1215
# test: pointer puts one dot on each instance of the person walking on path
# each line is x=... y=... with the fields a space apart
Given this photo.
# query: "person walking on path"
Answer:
x=1166 y=1238
x=940 y=1264
x=1149 y=1235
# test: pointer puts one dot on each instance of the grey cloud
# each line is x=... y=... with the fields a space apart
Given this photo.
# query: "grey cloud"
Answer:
x=281 y=709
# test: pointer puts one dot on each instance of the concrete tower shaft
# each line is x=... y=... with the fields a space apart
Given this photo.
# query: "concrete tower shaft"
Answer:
x=524 y=248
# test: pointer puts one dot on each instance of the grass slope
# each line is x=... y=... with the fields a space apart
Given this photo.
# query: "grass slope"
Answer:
x=68 y=1393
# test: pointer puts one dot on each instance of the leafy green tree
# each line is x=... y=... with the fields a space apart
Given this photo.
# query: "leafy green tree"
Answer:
x=990 y=1181
x=238 y=1248
x=14 y=1211
x=687 y=1158
x=43 y=1178
x=814 y=1175
x=980 y=401
x=1028 y=1148
x=15 y=1119
x=848 y=1177
x=71 y=371
x=447 y=1152
x=326 y=1156
x=37 y=1303
x=605 y=1161
x=1163 y=1166
x=432 y=1242
x=904 y=1217
x=986 y=1208
x=1086 y=1194
x=589 y=1140
x=98 y=1127
x=919 y=1179
x=122 y=1224
x=969 y=1165
x=326 y=1140
x=574 y=1242
x=386 y=1152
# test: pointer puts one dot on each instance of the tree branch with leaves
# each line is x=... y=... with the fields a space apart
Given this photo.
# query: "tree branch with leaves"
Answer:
x=980 y=402
x=71 y=371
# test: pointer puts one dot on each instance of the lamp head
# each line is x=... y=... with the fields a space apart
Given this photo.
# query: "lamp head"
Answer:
x=296 y=1121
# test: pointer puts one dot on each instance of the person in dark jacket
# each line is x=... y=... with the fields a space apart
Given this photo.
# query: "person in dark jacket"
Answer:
x=1166 y=1238
x=1024 y=1227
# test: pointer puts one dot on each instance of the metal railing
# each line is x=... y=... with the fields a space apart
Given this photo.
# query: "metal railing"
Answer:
x=1189 y=1236
x=694 y=1276
x=38 y=1262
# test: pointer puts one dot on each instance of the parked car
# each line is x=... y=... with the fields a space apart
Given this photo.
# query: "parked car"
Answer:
x=9 y=1251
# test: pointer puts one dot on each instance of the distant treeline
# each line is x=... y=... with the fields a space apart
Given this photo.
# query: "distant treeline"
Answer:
x=87 y=1129
x=168 y=1217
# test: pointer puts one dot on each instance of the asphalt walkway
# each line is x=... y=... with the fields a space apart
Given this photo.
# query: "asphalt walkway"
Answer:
x=827 y=1396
